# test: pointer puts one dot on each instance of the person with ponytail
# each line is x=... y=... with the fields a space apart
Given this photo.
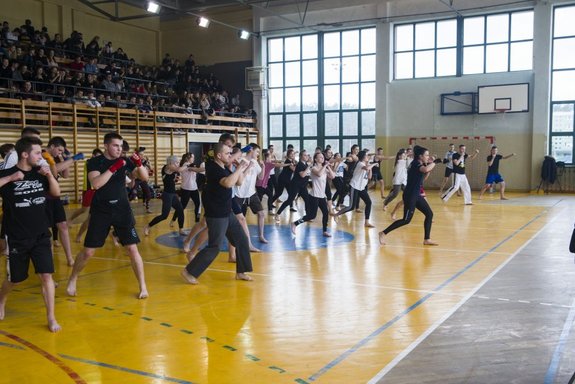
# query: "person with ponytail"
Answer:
x=422 y=165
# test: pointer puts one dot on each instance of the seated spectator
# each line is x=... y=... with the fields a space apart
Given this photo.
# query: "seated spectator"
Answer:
x=57 y=45
x=40 y=78
x=107 y=53
x=16 y=75
x=5 y=72
x=24 y=39
x=29 y=58
x=92 y=66
x=121 y=103
x=28 y=27
x=190 y=64
x=51 y=59
x=236 y=100
x=108 y=83
x=120 y=55
x=91 y=81
x=41 y=58
x=93 y=48
x=13 y=37
x=77 y=64
x=61 y=95
x=25 y=73
x=27 y=92
x=54 y=76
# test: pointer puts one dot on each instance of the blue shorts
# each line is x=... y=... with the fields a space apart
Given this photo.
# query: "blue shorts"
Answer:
x=493 y=178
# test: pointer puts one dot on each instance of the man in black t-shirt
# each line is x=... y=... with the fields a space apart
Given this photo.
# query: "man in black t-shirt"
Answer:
x=460 y=181
x=221 y=221
x=24 y=189
x=493 y=176
x=111 y=207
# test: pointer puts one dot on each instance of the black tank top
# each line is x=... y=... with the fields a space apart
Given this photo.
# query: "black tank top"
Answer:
x=169 y=181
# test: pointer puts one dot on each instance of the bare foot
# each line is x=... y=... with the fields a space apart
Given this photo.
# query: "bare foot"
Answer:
x=70 y=262
x=143 y=294
x=326 y=234
x=263 y=240
x=336 y=218
x=189 y=278
x=186 y=247
x=429 y=242
x=190 y=256
x=53 y=326
x=381 y=238
x=116 y=241
x=147 y=230
x=393 y=216
x=358 y=210
x=369 y=225
x=243 y=276
x=78 y=239
x=71 y=288
x=384 y=208
x=56 y=243
x=480 y=197
x=253 y=249
x=277 y=218
x=504 y=198
x=172 y=224
x=292 y=227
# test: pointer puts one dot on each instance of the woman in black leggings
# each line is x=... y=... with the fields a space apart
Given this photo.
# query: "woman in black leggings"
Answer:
x=298 y=184
x=286 y=174
x=169 y=197
x=422 y=164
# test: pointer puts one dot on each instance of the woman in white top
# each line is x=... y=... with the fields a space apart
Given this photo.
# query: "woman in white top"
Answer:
x=320 y=172
x=189 y=186
x=358 y=182
x=399 y=177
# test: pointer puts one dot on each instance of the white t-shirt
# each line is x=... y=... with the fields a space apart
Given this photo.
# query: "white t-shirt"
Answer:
x=400 y=175
x=248 y=187
x=318 y=185
x=359 y=179
x=10 y=160
x=340 y=169
x=189 y=180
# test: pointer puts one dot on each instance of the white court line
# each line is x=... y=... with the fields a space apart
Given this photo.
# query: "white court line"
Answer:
x=429 y=330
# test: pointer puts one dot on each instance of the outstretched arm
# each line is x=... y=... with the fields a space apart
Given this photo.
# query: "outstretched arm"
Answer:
x=508 y=156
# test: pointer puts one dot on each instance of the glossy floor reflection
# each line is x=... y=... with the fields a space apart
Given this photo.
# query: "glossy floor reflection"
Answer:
x=318 y=311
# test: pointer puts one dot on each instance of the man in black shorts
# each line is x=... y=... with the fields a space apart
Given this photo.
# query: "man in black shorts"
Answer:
x=110 y=207
x=24 y=189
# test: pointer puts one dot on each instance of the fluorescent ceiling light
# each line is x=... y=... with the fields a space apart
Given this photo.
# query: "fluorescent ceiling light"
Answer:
x=244 y=35
x=153 y=7
x=203 y=22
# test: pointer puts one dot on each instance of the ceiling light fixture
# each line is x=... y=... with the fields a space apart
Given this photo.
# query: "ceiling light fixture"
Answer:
x=203 y=22
x=153 y=7
x=244 y=35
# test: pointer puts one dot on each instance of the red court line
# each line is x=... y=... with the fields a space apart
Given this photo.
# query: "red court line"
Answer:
x=54 y=360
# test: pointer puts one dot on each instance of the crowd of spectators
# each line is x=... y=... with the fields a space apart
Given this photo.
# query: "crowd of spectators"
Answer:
x=35 y=66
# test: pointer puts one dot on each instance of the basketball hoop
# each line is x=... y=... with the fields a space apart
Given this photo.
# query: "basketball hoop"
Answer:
x=501 y=110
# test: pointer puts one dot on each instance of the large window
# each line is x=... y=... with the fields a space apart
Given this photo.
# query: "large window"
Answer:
x=466 y=45
x=322 y=90
x=563 y=85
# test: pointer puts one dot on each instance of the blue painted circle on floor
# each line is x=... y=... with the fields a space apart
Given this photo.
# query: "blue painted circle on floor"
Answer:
x=279 y=238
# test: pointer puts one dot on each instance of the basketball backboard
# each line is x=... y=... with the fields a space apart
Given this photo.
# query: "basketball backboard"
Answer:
x=506 y=97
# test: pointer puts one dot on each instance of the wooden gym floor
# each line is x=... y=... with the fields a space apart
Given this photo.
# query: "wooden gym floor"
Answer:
x=493 y=303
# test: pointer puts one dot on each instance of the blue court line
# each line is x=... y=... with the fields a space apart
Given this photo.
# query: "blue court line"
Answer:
x=123 y=369
x=391 y=322
x=554 y=364
x=2 y=344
